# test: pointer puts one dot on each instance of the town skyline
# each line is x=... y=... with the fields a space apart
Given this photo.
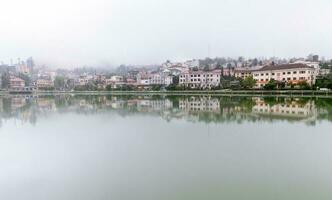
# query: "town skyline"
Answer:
x=19 y=60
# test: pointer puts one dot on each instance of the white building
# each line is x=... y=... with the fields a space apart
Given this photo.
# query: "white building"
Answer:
x=115 y=82
x=117 y=79
x=44 y=83
x=289 y=73
x=200 y=79
x=158 y=78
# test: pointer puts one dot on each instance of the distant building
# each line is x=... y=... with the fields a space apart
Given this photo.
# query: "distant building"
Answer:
x=44 y=83
x=22 y=68
x=315 y=58
x=30 y=64
x=16 y=83
x=117 y=79
x=83 y=80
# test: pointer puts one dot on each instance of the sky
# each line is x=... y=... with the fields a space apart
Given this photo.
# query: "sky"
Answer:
x=112 y=32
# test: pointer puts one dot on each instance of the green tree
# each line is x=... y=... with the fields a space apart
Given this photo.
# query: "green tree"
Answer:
x=5 y=80
x=59 y=82
x=176 y=80
x=304 y=85
x=271 y=85
x=206 y=68
x=248 y=82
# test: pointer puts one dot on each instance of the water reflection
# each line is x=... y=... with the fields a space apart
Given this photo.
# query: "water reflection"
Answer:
x=208 y=109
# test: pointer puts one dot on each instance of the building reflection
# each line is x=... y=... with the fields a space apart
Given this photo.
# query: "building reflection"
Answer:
x=208 y=109
x=292 y=108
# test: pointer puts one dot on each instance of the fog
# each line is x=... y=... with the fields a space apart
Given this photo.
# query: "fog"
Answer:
x=112 y=32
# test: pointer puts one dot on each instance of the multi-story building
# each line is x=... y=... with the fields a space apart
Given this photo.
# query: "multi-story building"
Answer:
x=160 y=79
x=44 y=83
x=157 y=78
x=288 y=73
x=16 y=83
x=200 y=79
x=242 y=72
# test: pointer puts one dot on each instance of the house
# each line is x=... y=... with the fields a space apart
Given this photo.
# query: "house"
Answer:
x=117 y=79
x=83 y=80
x=143 y=79
x=115 y=82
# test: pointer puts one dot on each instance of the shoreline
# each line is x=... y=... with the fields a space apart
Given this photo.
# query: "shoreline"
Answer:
x=278 y=93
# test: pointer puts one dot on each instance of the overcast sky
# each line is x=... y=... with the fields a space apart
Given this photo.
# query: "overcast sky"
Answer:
x=78 y=32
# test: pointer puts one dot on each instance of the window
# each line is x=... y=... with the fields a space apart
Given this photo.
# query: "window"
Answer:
x=262 y=74
x=294 y=72
x=284 y=73
x=273 y=74
x=267 y=74
x=288 y=79
x=288 y=72
x=294 y=78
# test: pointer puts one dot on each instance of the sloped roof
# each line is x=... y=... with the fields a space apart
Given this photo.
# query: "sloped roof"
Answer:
x=282 y=67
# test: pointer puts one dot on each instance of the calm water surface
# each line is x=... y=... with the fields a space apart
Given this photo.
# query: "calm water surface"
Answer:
x=161 y=148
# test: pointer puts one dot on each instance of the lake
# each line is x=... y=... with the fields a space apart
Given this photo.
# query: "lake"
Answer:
x=165 y=147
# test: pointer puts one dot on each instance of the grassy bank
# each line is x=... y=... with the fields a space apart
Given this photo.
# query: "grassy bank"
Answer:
x=304 y=93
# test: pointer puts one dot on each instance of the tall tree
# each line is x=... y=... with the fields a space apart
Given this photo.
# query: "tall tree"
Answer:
x=248 y=82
